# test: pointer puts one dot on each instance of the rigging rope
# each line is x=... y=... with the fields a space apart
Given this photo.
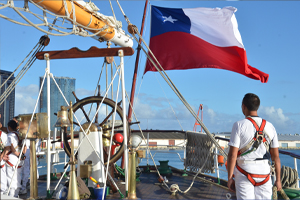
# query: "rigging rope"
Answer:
x=38 y=47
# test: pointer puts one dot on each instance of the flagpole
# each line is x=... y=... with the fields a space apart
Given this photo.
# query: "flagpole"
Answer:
x=135 y=73
x=136 y=65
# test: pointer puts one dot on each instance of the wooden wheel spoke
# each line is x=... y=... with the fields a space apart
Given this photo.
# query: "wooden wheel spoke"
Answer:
x=86 y=116
x=105 y=153
x=109 y=115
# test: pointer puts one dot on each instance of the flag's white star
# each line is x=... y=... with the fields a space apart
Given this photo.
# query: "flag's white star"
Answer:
x=170 y=19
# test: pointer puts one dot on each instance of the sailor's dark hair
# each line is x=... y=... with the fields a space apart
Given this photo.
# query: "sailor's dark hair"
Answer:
x=17 y=118
x=12 y=124
x=251 y=101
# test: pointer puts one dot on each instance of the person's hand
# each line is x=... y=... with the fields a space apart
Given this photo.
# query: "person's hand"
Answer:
x=23 y=157
x=5 y=158
x=231 y=184
x=278 y=185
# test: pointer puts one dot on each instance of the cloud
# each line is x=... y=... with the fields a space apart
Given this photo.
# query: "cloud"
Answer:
x=276 y=115
x=278 y=118
x=81 y=92
x=159 y=115
x=162 y=117
x=25 y=99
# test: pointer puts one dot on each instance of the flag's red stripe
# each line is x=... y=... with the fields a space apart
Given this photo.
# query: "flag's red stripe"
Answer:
x=179 y=50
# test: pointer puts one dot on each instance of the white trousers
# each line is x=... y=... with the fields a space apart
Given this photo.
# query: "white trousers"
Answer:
x=25 y=172
x=246 y=190
x=3 y=179
x=12 y=180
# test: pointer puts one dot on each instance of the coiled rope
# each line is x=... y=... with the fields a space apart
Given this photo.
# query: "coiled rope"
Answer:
x=289 y=177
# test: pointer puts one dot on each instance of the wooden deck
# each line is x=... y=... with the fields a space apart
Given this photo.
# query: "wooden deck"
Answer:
x=204 y=187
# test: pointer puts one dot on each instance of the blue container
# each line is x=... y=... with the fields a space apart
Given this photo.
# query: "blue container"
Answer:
x=98 y=192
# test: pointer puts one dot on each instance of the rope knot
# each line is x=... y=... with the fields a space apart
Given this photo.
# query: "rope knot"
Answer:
x=174 y=188
x=132 y=29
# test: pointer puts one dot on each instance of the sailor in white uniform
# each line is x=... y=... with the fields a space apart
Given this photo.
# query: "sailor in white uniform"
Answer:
x=3 y=140
x=14 y=147
x=249 y=159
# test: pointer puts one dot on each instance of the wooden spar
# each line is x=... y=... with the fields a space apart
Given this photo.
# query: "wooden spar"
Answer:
x=83 y=16
x=77 y=53
x=136 y=65
x=87 y=19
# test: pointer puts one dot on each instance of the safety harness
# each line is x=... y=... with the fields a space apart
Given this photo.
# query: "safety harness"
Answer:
x=258 y=138
x=251 y=176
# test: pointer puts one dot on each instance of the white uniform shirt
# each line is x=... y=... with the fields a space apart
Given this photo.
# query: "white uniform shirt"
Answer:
x=12 y=139
x=243 y=132
x=4 y=142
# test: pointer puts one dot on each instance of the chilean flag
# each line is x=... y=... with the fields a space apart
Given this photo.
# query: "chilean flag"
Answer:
x=199 y=38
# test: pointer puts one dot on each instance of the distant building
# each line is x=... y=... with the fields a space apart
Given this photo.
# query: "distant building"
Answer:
x=7 y=108
x=67 y=86
x=161 y=138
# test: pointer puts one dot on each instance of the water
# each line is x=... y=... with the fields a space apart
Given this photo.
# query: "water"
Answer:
x=174 y=161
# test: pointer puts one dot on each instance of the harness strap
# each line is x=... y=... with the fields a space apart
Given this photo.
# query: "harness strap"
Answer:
x=251 y=176
x=10 y=164
x=259 y=133
x=1 y=166
x=258 y=129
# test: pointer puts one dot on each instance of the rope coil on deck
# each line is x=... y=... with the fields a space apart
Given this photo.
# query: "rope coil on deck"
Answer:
x=289 y=177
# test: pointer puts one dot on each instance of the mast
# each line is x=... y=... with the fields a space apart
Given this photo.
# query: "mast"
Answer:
x=136 y=65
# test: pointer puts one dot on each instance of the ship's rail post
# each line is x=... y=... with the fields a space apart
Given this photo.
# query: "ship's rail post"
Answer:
x=296 y=168
x=217 y=164
x=147 y=149
x=55 y=156
x=121 y=55
x=47 y=58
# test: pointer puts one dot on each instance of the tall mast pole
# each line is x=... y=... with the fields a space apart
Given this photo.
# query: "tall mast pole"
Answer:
x=136 y=65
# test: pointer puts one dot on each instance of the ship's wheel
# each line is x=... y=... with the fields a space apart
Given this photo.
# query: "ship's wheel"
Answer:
x=86 y=108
